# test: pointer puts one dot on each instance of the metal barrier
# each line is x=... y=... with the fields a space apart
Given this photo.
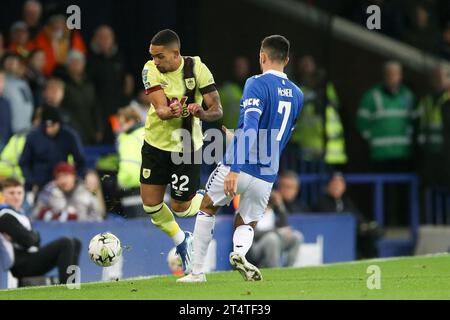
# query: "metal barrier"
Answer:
x=318 y=181
x=437 y=205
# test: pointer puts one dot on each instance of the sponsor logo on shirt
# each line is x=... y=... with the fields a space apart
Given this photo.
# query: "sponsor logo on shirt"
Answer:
x=251 y=102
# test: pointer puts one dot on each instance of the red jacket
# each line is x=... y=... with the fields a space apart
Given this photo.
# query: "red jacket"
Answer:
x=72 y=40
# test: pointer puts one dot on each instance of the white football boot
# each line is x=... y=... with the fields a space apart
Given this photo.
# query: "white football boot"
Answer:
x=192 y=278
x=248 y=271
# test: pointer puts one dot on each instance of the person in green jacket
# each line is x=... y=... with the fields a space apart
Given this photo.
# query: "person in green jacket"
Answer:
x=129 y=144
x=430 y=127
x=319 y=132
x=385 y=120
x=10 y=155
x=9 y=158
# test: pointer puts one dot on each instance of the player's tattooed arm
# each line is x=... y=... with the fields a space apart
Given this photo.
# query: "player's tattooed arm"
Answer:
x=163 y=110
x=214 y=107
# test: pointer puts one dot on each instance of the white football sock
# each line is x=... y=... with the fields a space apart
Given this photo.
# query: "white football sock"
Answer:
x=243 y=239
x=203 y=234
x=179 y=237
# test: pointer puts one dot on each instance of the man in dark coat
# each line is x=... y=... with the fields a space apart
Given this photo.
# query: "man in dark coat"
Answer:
x=80 y=100
x=46 y=146
x=336 y=200
x=106 y=68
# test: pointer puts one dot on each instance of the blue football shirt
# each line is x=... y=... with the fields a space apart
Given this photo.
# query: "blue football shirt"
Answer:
x=270 y=107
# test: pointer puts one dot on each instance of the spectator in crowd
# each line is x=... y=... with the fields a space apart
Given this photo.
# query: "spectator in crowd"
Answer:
x=10 y=156
x=231 y=91
x=35 y=75
x=45 y=147
x=20 y=244
x=56 y=40
x=288 y=188
x=319 y=133
x=337 y=200
x=274 y=237
x=445 y=42
x=80 y=100
x=424 y=33
x=2 y=46
x=5 y=114
x=430 y=129
x=18 y=93
x=32 y=13
x=53 y=97
x=129 y=144
x=106 y=68
x=20 y=42
x=385 y=120
x=142 y=103
x=65 y=198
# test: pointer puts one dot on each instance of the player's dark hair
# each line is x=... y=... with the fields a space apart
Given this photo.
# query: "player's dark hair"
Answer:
x=276 y=47
x=166 y=37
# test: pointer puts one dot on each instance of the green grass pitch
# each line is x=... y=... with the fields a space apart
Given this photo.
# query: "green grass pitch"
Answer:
x=401 y=278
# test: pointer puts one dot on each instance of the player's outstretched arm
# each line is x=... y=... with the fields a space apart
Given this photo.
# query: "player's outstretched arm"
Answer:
x=214 y=111
x=163 y=110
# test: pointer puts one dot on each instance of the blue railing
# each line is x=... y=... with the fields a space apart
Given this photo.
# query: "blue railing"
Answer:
x=437 y=205
x=313 y=184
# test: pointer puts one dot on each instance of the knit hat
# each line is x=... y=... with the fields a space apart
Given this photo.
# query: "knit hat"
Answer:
x=50 y=116
x=63 y=167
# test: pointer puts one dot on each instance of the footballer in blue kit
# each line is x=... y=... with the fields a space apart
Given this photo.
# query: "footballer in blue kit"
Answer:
x=270 y=107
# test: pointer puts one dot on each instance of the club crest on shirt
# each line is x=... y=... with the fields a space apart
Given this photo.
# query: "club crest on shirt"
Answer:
x=146 y=173
x=190 y=83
